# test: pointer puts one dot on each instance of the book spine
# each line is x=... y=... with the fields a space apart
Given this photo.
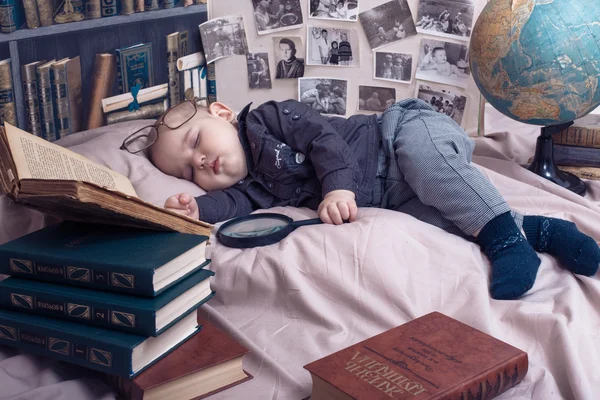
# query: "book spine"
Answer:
x=66 y=347
x=12 y=15
x=592 y=173
x=151 y=5
x=60 y=95
x=102 y=85
x=71 y=272
x=31 y=14
x=172 y=56
x=188 y=90
x=145 y=111
x=7 y=100
x=576 y=156
x=168 y=3
x=139 y=6
x=46 y=12
x=30 y=91
x=183 y=43
x=490 y=384
x=211 y=80
x=80 y=310
x=93 y=9
x=109 y=8
x=127 y=7
x=578 y=136
x=120 y=64
x=46 y=105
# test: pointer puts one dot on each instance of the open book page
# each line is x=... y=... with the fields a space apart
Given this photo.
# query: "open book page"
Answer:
x=36 y=158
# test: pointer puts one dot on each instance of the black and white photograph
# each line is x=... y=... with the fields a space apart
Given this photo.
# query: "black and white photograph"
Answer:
x=259 y=75
x=276 y=15
x=223 y=37
x=289 y=57
x=395 y=67
x=387 y=23
x=443 y=62
x=326 y=95
x=341 y=10
x=446 y=18
x=336 y=47
x=375 y=98
x=443 y=100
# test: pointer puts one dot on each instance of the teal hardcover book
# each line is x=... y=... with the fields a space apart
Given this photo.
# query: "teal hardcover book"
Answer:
x=105 y=257
x=113 y=352
x=134 y=66
x=127 y=313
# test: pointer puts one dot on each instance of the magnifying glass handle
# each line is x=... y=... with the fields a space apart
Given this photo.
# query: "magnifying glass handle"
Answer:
x=305 y=222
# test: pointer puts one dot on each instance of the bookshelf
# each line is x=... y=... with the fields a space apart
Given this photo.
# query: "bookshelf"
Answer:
x=103 y=35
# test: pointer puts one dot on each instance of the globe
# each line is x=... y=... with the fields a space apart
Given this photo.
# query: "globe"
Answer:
x=538 y=61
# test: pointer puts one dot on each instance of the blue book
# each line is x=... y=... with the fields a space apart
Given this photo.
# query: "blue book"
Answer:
x=133 y=314
x=105 y=257
x=211 y=81
x=12 y=15
x=134 y=66
x=112 y=352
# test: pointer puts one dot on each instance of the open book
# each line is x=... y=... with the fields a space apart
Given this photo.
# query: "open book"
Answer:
x=55 y=180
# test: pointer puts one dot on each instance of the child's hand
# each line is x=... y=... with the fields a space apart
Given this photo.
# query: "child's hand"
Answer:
x=337 y=206
x=183 y=203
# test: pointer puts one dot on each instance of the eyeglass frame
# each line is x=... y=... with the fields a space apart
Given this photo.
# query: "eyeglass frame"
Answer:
x=131 y=138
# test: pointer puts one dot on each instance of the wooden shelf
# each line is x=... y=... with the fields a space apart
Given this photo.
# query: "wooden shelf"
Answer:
x=59 y=29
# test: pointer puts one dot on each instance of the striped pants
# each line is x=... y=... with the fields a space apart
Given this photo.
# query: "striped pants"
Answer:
x=425 y=170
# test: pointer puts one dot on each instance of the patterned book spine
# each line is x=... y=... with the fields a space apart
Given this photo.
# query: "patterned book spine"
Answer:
x=30 y=91
x=119 y=57
x=102 y=86
x=146 y=111
x=93 y=9
x=7 y=100
x=12 y=15
x=66 y=90
x=31 y=14
x=127 y=7
x=45 y=101
x=576 y=156
x=151 y=5
x=211 y=80
x=578 y=136
x=46 y=12
x=109 y=8
x=168 y=4
x=173 y=74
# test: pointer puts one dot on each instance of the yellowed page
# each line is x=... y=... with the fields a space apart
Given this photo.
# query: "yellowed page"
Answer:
x=37 y=158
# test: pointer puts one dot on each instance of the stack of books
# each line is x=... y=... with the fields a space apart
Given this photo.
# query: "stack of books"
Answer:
x=153 y=102
x=194 y=76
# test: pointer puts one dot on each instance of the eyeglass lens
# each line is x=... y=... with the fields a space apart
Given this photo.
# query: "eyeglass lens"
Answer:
x=179 y=114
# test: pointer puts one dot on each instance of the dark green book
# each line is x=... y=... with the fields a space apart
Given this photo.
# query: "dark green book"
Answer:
x=105 y=257
x=127 y=313
x=134 y=66
x=113 y=352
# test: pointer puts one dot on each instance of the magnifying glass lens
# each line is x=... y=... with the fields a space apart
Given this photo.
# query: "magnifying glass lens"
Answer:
x=254 y=227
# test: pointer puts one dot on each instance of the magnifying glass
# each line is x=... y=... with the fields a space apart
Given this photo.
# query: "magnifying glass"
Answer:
x=259 y=229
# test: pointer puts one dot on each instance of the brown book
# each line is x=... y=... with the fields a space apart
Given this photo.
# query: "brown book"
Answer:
x=431 y=357
x=127 y=7
x=578 y=136
x=173 y=74
x=103 y=81
x=208 y=363
x=592 y=173
x=147 y=111
x=31 y=14
x=7 y=98
x=66 y=93
x=45 y=12
x=93 y=9
x=58 y=181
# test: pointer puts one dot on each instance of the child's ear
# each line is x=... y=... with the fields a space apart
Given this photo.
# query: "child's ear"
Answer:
x=220 y=110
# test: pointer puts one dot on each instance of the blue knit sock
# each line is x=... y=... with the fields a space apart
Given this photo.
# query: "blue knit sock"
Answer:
x=514 y=262
x=576 y=251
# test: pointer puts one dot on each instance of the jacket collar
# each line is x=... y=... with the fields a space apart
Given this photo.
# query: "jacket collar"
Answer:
x=241 y=118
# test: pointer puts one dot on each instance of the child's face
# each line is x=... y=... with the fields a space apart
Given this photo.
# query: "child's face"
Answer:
x=440 y=56
x=206 y=150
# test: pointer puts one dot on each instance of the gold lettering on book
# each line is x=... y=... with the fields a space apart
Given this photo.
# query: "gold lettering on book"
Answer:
x=382 y=376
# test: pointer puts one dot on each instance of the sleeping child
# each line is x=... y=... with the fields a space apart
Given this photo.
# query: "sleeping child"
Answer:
x=409 y=159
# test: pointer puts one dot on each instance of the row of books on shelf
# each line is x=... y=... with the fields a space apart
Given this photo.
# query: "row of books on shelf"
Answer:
x=577 y=148
x=18 y=14
x=122 y=301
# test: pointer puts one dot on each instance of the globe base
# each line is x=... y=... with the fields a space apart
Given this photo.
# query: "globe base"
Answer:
x=543 y=161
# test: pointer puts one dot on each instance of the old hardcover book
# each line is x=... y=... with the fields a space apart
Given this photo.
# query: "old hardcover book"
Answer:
x=431 y=357
x=7 y=98
x=183 y=43
x=120 y=102
x=127 y=7
x=139 y=6
x=208 y=363
x=55 y=180
x=578 y=136
x=151 y=5
x=12 y=15
x=146 y=111
x=592 y=173
x=93 y=9
x=104 y=350
x=168 y=3
x=103 y=80
x=134 y=66
x=46 y=12
x=576 y=156
x=31 y=14
x=109 y=8
x=211 y=81
x=30 y=92
x=65 y=76
x=172 y=73
x=45 y=100
x=133 y=314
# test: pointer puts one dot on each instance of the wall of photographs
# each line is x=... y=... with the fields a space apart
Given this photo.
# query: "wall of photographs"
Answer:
x=345 y=56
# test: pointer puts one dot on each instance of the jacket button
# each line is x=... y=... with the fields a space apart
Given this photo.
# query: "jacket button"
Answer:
x=253 y=145
x=286 y=111
x=298 y=190
x=241 y=182
x=270 y=185
x=296 y=117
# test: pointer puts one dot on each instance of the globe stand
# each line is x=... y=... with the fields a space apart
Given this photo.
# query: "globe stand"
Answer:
x=543 y=161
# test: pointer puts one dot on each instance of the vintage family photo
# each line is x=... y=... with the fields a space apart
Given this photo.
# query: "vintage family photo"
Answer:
x=375 y=98
x=387 y=23
x=289 y=57
x=326 y=95
x=276 y=15
x=342 y=10
x=395 y=67
x=259 y=75
x=443 y=100
x=330 y=46
x=223 y=37
x=447 y=18
x=443 y=62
